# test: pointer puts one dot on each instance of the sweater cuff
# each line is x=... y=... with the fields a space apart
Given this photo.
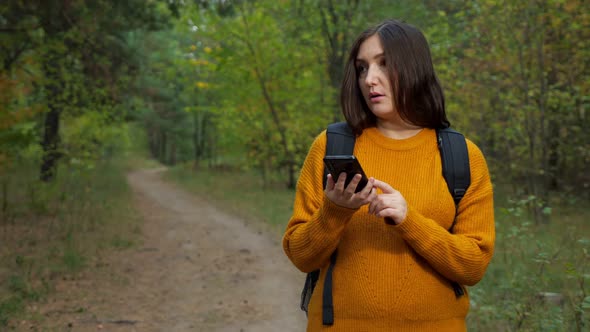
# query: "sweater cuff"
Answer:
x=411 y=227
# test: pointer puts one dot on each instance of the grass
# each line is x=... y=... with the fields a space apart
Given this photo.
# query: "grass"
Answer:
x=56 y=230
x=240 y=192
x=534 y=283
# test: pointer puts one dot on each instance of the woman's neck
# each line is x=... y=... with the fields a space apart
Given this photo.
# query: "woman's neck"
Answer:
x=398 y=130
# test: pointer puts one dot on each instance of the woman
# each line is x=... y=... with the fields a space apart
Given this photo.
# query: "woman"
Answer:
x=396 y=259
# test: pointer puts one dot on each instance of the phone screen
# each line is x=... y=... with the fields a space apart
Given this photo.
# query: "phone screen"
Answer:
x=347 y=164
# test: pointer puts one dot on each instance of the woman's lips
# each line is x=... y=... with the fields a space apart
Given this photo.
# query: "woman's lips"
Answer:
x=375 y=98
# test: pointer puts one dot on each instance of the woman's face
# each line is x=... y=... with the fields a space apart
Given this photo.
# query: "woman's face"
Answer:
x=374 y=79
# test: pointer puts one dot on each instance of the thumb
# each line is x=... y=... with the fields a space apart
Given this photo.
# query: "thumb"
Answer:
x=385 y=188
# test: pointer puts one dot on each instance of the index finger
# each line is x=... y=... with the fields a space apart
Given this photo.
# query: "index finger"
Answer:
x=385 y=187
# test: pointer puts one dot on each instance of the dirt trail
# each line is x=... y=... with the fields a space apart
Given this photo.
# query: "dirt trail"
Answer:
x=198 y=269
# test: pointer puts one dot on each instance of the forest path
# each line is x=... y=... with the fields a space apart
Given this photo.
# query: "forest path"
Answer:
x=198 y=269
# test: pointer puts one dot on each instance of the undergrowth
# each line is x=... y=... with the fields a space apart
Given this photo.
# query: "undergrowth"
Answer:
x=54 y=230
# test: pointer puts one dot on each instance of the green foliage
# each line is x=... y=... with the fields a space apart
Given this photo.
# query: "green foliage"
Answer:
x=167 y=90
x=276 y=96
x=272 y=72
x=92 y=137
x=66 y=60
x=536 y=279
x=516 y=74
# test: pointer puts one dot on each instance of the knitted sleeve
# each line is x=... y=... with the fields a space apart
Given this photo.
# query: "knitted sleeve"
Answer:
x=315 y=228
x=464 y=255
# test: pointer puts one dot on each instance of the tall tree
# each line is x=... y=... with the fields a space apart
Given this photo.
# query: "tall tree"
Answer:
x=81 y=53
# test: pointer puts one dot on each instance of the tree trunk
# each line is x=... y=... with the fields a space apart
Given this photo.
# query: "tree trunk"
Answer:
x=338 y=41
x=153 y=142
x=172 y=157
x=553 y=162
x=51 y=139
x=50 y=145
x=200 y=135
x=163 y=146
x=4 y=199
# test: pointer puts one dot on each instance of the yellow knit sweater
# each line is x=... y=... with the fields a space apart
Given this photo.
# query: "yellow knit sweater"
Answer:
x=394 y=278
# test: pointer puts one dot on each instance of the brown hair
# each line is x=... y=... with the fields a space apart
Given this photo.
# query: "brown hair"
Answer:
x=418 y=96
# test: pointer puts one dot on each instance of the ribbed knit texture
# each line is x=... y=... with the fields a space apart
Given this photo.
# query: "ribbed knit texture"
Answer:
x=394 y=278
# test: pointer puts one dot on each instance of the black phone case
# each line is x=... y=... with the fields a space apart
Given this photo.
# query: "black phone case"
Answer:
x=348 y=164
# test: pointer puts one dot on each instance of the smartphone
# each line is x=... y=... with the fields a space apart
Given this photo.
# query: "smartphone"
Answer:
x=348 y=164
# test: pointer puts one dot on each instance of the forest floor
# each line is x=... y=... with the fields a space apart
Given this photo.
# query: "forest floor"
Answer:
x=197 y=268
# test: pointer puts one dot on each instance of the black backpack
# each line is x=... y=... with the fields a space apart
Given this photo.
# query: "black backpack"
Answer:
x=455 y=165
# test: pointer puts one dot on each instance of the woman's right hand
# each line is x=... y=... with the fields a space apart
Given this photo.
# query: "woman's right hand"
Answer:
x=346 y=197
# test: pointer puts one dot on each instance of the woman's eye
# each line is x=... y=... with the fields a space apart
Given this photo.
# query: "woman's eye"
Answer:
x=361 y=69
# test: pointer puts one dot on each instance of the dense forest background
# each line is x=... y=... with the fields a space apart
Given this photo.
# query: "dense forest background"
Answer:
x=243 y=86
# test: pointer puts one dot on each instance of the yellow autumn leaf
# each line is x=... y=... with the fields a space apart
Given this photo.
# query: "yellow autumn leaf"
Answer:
x=202 y=85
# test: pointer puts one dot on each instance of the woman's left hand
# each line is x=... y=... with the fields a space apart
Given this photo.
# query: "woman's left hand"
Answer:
x=390 y=204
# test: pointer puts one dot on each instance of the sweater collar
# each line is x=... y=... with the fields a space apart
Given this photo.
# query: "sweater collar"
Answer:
x=425 y=136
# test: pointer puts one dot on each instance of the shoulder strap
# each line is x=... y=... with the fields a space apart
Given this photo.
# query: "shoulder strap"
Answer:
x=327 y=301
x=455 y=165
x=455 y=162
x=340 y=141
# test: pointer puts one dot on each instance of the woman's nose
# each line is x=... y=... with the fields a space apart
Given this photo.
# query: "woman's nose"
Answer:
x=371 y=78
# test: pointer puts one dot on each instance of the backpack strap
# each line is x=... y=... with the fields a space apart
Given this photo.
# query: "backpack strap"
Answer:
x=327 y=303
x=455 y=165
x=340 y=141
x=310 y=281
